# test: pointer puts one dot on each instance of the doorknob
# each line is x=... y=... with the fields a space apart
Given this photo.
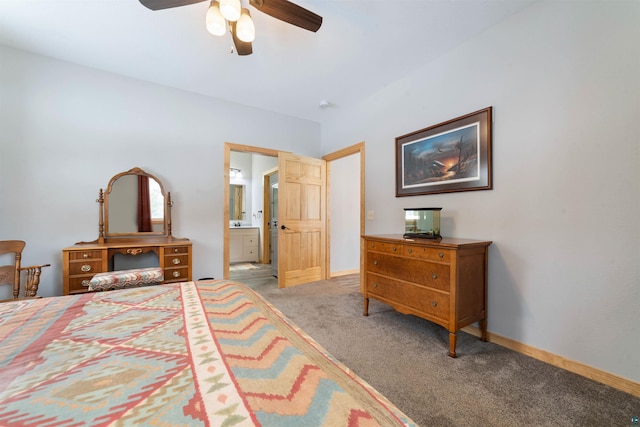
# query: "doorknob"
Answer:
x=284 y=227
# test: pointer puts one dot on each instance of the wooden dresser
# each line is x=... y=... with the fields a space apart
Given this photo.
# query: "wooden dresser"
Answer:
x=81 y=261
x=443 y=281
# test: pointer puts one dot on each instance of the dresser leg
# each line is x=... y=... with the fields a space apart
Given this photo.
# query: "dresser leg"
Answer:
x=453 y=339
x=483 y=330
x=366 y=306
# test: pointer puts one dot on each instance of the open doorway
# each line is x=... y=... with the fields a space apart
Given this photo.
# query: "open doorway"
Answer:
x=246 y=227
x=270 y=244
x=250 y=161
x=345 y=177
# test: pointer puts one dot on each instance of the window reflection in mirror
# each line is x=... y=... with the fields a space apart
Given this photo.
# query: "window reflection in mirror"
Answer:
x=122 y=205
x=236 y=202
x=156 y=201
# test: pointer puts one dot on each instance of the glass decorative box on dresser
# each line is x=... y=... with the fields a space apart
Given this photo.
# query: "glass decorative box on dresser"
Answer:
x=443 y=281
x=134 y=220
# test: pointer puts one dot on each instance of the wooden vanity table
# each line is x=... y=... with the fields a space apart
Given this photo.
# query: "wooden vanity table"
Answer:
x=440 y=280
x=83 y=260
x=118 y=234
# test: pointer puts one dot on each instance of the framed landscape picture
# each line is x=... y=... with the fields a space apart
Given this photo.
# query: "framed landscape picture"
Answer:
x=445 y=158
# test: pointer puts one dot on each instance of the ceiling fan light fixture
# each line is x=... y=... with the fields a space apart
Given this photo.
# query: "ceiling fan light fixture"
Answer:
x=216 y=24
x=231 y=9
x=245 y=29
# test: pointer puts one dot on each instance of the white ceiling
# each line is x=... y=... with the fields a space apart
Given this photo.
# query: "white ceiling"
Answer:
x=362 y=45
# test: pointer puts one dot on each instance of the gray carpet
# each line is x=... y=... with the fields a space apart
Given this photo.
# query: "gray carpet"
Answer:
x=405 y=358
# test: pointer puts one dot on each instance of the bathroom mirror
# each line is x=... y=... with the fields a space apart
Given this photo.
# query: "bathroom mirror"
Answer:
x=135 y=204
x=236 y=202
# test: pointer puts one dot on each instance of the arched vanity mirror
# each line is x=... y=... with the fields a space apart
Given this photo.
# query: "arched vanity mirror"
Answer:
x=135 y=204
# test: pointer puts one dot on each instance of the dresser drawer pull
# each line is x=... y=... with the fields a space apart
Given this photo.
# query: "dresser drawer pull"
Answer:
x=375 y=262
x=410 y=251
x=176 y=261
x=373 y=245
x=85 y=283
x=85 y=268
x=434 y=304
x=394 y=249
x=434 y=276
x=440 y=254
x=375 y=284
x=175 y=250
x=85 y=255
x=134 y=251
x=176 y=274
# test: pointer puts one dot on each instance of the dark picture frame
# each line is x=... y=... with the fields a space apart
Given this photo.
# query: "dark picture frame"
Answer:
x=448 y=157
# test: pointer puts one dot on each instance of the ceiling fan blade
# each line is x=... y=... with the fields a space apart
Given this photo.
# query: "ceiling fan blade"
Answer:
x=242 y=48
x=166 y=4
x=289 y=12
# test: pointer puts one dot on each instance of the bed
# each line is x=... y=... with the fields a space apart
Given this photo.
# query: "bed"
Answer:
x=208 y=353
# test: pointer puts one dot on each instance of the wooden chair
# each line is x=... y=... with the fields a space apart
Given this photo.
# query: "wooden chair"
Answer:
x=11 y=274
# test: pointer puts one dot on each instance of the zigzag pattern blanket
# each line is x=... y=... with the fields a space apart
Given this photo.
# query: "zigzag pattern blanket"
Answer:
x=188 y=354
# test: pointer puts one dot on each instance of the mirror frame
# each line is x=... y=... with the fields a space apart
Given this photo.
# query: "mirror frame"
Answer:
x=104 y=209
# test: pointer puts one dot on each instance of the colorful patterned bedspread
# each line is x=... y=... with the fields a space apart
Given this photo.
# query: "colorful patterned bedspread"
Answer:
x=207 y=354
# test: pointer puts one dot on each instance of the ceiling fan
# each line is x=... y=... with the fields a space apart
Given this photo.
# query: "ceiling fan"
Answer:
x=240 y=27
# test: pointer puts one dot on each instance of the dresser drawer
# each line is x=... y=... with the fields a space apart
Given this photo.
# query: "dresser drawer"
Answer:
x=392 y=248
x=80 y=255
x=425 y=273
x=175 y=260
x=90 y=267
x=432 y=254
x=419 y=298
x=176 y=274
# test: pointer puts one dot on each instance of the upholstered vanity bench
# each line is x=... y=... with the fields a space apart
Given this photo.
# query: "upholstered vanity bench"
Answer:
x=122 y=279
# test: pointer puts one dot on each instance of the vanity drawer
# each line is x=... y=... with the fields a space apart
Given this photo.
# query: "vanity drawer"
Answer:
x=418 y=298
x=80 y=255
x=252 y=253
x=90 y=267
x=250 y=241
x=392 y=248
x=175 y=260
x=432 y=254
x=176 y=274
x=79 y=284
x=174 y=250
